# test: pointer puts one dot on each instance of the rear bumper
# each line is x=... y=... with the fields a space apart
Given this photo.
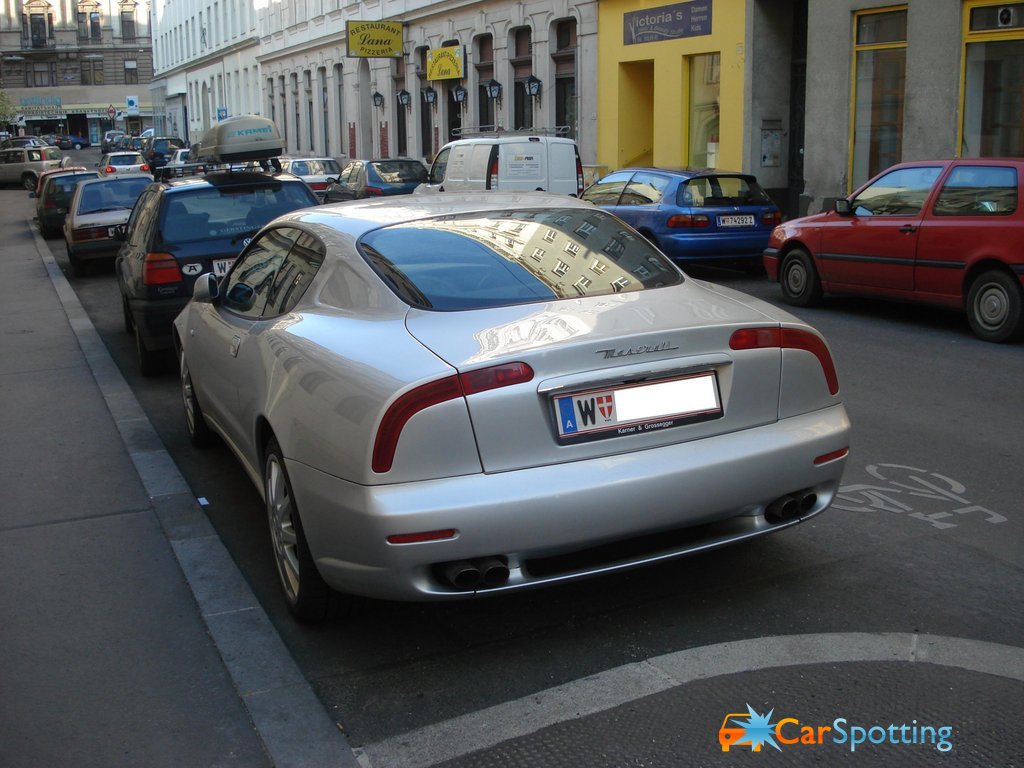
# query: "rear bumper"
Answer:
x=717 y=487
x=729 y=245
x=155 y=319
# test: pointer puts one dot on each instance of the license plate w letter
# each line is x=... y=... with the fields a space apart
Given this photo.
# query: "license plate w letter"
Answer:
x=633 y=409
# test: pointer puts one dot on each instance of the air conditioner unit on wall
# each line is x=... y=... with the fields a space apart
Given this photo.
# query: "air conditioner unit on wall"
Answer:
x=1006 y=17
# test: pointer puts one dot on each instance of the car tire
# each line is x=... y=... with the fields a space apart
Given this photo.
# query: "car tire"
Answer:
x=309 y=598
x=129 y=324
x=798 y=278
x=28 y=181
x=994 y=306
x=78 y=146
x=75 y=263
x=199 y=432
x=149 y=361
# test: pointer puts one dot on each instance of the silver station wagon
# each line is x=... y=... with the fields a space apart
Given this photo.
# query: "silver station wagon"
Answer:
x=470 y=394
x=22 y=165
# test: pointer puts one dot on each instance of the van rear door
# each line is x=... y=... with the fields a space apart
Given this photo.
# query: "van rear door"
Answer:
x=523 y=166
x=564 y=168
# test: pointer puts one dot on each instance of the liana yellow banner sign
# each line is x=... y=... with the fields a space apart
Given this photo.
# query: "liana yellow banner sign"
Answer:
x=446 y=63
x=374 y=39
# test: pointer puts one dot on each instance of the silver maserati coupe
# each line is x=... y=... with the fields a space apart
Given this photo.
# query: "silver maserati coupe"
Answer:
x=470 y=394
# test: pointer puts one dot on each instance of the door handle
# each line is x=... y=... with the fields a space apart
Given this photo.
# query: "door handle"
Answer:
x=235 y=344
x=908 y=228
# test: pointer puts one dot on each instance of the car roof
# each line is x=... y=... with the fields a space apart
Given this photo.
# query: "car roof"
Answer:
x=226 y=179
x=358 y=216
x=688 y=173
x=123 y=178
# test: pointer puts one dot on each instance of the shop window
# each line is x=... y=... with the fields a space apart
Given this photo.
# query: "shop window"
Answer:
x=880 y=53
x=993 y=92
x=705 y=92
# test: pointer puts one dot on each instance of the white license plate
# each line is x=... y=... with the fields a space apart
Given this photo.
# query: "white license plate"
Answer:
x=221 y=266
x=638 y=408
x=735 y=221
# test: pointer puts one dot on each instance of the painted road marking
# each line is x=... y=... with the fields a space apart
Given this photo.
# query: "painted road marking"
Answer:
x=614 y=687
x=906 y=488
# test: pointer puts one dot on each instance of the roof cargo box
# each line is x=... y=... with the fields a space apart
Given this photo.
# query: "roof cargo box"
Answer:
x=245 y=137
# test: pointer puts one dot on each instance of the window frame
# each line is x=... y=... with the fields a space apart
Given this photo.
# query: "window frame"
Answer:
x=858 y=48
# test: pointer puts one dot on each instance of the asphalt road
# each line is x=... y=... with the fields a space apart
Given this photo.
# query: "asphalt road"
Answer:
x=926 y=537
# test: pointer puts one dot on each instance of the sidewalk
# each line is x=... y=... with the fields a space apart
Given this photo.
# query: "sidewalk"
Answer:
x=129 y=637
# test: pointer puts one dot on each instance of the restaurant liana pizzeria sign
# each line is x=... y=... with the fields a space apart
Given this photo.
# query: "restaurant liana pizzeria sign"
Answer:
x=374 y=39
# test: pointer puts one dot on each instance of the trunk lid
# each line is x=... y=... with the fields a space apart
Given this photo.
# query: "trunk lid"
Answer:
x=593 y=347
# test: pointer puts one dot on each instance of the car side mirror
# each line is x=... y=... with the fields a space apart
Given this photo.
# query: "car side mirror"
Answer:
x=206 y=289
x=842 y=207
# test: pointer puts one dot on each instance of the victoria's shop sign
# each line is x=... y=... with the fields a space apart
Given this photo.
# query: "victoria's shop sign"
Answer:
x=668 y=22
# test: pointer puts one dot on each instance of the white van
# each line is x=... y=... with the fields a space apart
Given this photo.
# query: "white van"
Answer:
x=519 y=162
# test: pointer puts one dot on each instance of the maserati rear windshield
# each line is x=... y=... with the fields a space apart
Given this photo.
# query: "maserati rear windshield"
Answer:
x=476 y=260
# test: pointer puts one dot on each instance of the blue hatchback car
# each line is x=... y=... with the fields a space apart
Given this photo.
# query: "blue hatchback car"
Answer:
x=692 y=215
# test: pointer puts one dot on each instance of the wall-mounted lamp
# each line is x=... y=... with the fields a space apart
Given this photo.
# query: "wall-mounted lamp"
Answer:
x=533 y=86
x=459 y=94
x=378 y=99
x=404 y=98
x=429 y=95
x=493 y=89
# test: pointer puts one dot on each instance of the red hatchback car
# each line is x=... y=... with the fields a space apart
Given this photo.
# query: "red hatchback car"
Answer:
x=945 y=232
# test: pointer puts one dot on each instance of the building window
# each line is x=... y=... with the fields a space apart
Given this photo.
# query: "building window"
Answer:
x=44 y=74
x=128 y=26
x=37 y=27
x=993 y=88
x=522 y=68
x=879 y=71
x=131 y=71
x=92 y=73
x=564 y=59
x=83 y=25
x=484 y=56
x=704 y=108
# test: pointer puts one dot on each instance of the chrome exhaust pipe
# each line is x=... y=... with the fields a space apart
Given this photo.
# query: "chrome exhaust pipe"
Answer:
x=493 y=571
x=462 y=574
x=807 y=502
x=782 y=509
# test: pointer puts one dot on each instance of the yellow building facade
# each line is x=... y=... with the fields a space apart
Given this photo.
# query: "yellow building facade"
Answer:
x=671 y=83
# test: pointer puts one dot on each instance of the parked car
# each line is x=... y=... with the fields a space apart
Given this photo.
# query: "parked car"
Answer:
x=376 y=178
x=45 y=174
x=183 y=227
x=24 y=141
x=692 y=215
x=22 y=165
x=69 y=141
x=123 y=162
x=943 y=232
x=110 y=139
x=510 y=161
x=563 y=363
x=158 y=149
x=318 y=172
x=97 y=208
x=53 y=201
x=179 y=157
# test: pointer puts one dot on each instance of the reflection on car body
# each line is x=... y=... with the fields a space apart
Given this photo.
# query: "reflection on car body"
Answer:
x=568 y=369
